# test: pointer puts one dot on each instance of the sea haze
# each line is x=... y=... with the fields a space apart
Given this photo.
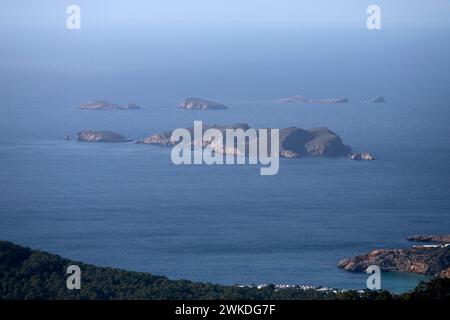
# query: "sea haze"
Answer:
x=126 y=205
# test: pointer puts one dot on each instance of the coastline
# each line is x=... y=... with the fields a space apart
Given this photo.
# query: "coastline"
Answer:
x=27 y=265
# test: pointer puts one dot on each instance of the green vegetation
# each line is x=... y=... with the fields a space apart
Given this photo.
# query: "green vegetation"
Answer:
x=30 y=274
x=436 y=289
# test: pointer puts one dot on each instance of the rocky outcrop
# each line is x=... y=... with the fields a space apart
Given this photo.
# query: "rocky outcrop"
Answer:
x=426 y=259
x=322 y=142
x=200 y=104
x=361 y=156
x=379 y=99
x=294 y=142
x=302 y=99
x=444 y=239
x=100 y=136
x=422 y=260
x=105 y=105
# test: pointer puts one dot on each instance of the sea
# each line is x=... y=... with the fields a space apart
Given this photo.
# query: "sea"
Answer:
x=128 y=206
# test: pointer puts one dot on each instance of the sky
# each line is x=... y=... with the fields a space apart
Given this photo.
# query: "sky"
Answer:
x=142 y=49
x=316 y=14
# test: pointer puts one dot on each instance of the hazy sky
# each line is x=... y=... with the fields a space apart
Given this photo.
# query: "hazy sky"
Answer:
x=317 y=13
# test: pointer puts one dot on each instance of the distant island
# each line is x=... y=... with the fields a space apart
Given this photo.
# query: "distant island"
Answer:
x=294 y=142
x=105 y=105
x=379 y=99
x=100 y=136
x=442 y=239
x=163 y=138
x=302 y=99
x=193 y=103
x=431 y=259
x=320 y=142
x=32 y=274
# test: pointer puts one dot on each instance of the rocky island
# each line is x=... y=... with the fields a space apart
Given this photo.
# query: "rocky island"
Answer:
x=105 y=105
x=294 y=142
x=424 y=259
x=303 y=100
x=200 y=104
x=100 y=136
x=320 y=142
